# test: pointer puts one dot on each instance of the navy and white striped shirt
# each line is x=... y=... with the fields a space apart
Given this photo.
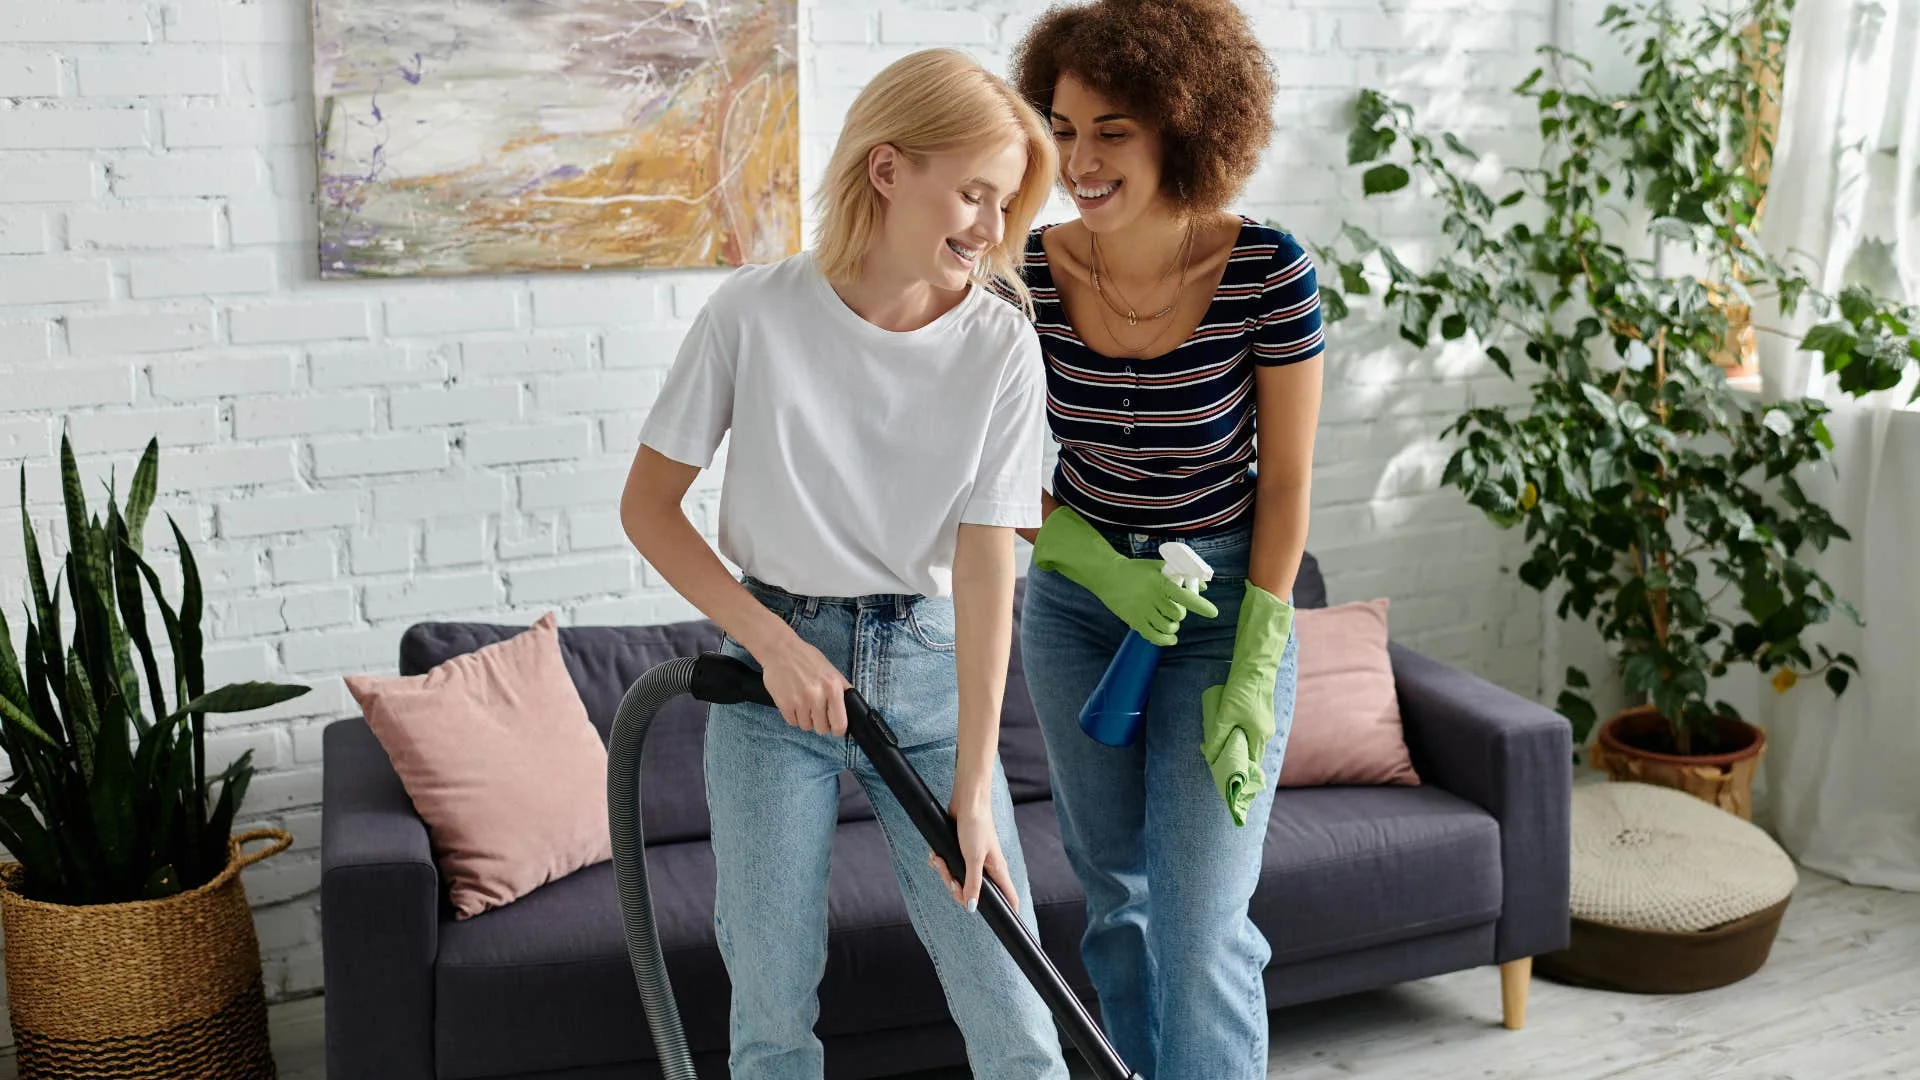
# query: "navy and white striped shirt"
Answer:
x=1165 y=444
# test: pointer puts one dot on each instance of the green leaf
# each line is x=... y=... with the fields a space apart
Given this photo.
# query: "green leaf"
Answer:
x=162 y=883
x=18 y=717
x=1366 y=143
x=146 y=481
x=239 y=697
x=1536 y=575
x=1453 y=327
x=1513 y=198
x=1598 y=400
x=1831 y=338
x=1672 y=228
x=1837 y=680
x=1857 y=304
x=233 y=791
x=46 y=602
x=1333 y=305
x=35 y=850
x=13 y=685
x=1384 y=179
x=1576 y=678
x=1527 y=83
x=1579 y=712
x=83 y=557
x=1454 y=144
x=82 y=718
x=133 y=611
x=110 y=791
x=1362 y=242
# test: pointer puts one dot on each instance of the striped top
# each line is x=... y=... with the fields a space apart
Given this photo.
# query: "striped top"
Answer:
x=1166 y=444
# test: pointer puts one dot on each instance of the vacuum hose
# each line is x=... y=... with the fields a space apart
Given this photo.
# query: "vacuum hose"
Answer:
x=630 y=724
x=723 y=680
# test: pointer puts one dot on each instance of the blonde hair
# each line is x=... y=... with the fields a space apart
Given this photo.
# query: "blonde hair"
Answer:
x=931 y=102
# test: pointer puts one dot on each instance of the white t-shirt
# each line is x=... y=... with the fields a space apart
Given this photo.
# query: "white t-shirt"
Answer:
x=856 y=452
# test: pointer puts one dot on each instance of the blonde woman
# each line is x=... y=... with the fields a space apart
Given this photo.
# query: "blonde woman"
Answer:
x=887 y=418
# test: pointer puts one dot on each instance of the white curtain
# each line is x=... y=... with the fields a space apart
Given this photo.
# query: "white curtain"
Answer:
x=1841 y=781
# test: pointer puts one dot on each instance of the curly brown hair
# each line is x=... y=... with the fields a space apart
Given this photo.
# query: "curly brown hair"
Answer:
x=1193 y=70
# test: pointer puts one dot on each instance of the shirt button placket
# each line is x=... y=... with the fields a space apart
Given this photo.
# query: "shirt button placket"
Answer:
x=1127 y=402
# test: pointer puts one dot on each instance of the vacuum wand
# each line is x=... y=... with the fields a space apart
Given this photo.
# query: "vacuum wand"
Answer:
x=723 y=680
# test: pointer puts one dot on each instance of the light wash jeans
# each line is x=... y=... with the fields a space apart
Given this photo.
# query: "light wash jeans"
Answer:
x=1174 y=957
x=773 y=791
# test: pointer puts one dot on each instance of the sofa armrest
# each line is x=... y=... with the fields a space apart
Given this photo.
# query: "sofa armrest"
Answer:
x=1514 y=759
x=379 y=914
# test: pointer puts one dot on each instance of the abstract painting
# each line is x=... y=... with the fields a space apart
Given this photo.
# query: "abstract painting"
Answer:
x=509 y=136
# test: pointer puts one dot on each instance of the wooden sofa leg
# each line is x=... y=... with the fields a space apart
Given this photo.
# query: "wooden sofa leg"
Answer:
x=1515 y=975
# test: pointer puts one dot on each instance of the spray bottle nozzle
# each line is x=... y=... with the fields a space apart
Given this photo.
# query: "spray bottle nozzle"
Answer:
x=1185 y=565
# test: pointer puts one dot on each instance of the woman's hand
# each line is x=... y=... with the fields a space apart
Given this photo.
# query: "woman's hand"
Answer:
x=1134 y=589
x=809 y=691
x=980 y=847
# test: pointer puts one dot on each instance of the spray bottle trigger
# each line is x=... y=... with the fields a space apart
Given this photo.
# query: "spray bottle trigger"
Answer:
x=1184 y=565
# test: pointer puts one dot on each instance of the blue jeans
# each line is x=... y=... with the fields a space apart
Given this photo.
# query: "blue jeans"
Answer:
x=1174 y=957
x=773 y=791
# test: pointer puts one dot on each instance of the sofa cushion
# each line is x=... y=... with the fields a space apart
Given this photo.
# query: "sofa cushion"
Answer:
x=604 y=661
x=497 y=756
x=546 y=983
x=1350 y=867
x=1346 y=715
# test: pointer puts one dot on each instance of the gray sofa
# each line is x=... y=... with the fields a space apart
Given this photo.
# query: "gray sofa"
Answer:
x=1363 y=887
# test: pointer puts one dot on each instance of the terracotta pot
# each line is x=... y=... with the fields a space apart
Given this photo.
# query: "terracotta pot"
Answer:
x=1725 y=780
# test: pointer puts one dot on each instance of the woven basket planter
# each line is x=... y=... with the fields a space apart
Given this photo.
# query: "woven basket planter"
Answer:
x=148 y=990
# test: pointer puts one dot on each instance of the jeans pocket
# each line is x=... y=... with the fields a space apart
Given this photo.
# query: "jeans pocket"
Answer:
x=931 y=624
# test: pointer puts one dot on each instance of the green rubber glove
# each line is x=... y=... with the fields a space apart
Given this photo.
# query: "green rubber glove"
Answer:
x=1236 y=718
x=1134 y=589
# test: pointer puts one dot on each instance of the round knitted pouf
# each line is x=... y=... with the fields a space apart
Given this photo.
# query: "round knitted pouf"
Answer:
x=1669 y=895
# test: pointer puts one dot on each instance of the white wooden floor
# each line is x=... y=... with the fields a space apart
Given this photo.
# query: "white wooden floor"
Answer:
x=1839 y=999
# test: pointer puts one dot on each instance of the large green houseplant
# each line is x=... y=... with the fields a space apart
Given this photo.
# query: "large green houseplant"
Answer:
x=125 y=917
x=1662 y=503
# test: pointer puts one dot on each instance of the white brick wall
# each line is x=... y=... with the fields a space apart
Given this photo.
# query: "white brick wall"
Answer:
x=349 y=458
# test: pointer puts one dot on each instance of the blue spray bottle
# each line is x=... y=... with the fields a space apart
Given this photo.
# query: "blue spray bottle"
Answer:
x=1115 y=709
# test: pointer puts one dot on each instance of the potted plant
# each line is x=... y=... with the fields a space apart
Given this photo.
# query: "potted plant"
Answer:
x=1662 y=503
x=130 y=947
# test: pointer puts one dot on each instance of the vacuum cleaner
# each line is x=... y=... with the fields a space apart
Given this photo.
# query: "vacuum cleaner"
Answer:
x=722 y=680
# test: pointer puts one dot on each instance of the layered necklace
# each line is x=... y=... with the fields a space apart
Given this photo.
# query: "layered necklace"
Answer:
x=1102 y=284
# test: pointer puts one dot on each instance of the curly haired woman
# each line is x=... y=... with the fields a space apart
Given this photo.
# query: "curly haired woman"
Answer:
x=1183 y=357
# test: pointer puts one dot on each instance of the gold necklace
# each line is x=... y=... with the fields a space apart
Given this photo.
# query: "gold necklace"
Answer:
x=1146 y=349
x=1181 y=256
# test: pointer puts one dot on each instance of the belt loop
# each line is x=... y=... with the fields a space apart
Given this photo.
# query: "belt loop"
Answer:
x=812 y=606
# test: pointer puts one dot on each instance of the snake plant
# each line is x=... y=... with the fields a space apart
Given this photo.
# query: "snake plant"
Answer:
x=109 y=798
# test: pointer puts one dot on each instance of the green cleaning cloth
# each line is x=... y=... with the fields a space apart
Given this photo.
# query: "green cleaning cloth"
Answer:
x=1236 y=718
x=1136 y=590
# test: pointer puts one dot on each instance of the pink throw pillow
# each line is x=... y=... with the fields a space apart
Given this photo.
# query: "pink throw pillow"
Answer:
x=495 y=749
x=1346 y=717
